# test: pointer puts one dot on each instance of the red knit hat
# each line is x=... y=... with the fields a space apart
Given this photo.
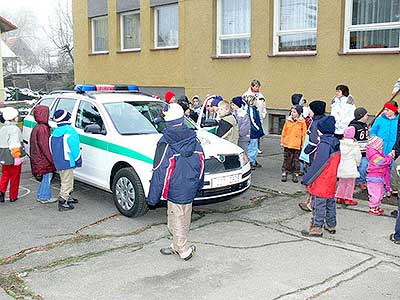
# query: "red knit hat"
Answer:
x=391 y=107
x=168 y=96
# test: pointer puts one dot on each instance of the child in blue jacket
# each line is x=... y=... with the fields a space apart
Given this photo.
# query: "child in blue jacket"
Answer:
x=178 y=173
x=65 y=148
x=256 y=132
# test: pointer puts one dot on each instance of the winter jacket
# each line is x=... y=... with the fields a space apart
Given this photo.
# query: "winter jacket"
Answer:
x=313 y=139
x=41 y=158
x=294 y=133
x=11 y=145
x=320 y=178
x=260 y=102
x=243 y=121
x=378 y=163
x=361 y=135
x=65 y=148
x=350 y=158
x=395 y=175
x=342 y=109
x=256 y=127
x=386 y=129
x=228 y=129
x=178 y=170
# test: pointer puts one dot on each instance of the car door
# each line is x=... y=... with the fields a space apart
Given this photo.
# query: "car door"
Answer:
x=94 y=168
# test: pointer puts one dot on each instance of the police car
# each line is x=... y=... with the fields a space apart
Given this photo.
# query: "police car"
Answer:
x=119 y=131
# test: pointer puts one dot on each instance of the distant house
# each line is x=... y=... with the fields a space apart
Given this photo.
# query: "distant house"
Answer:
x=5 y=26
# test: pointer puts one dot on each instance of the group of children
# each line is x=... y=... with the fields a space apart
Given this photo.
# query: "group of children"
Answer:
x=49 y=151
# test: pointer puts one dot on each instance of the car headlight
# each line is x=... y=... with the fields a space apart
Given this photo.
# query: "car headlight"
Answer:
x=242 y=159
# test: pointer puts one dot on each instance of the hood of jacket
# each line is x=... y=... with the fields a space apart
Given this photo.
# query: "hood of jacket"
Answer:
x=347 y=146
x=181 y=139
x=41 y=114
x=331 y=140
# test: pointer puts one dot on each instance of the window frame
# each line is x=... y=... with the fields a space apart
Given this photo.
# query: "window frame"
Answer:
x=155 y=12
x=122 y=30
x=220 y=37
x=93 y=38
x=83 y=102
x=348 y=28
x=277 y=33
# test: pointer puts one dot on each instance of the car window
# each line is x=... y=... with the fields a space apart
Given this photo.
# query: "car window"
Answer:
x=88 y=114
x=45 y=102
x=66 y=104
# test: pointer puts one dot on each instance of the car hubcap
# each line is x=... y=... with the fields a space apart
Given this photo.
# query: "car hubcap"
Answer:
x=125 y=193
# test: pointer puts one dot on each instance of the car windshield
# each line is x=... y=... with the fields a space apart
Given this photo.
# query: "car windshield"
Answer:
x=138 y=117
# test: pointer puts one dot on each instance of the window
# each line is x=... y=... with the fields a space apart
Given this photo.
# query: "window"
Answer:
x=233 y=27
x=100 y=34
x=45 y=102
x=372 y=25
x=130 y=31
x=295 y=29
x=88 y=115
x=276 y=123
x=66 y=104
x=166 y=26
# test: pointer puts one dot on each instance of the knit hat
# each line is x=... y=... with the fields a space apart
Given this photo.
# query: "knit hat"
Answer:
x=326 y=125
x=296 y=99
x=318 y=107
x=359 y=113
x=216 y=100
x=298 y=108
x=375 y=142
x=392 y=107
x=62 y=117
x=349 y=132
x=173 y=112
x=168 y=96
x=238 y=101
x=9 y=113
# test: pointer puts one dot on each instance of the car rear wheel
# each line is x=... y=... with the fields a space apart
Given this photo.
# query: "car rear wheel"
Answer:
x=128 y=193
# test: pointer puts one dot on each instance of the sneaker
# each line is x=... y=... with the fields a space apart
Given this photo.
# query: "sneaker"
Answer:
x=391 y=237
x=295 y=178
x=331 y=230
x=362 y=186
x=350 y=202
x=340 y=201
x=168 y=251
x=2 y=197
x=284 y=177
x=13 y=200
x=192 y=252
x=259 y=151
x=305 y=206
x=73 y=200
x=64 y=205
x=377 y=211
x=51 y=200
x=314 y=231
x=394 y=213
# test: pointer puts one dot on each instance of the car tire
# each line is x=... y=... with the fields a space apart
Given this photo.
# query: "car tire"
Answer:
x=128 y=193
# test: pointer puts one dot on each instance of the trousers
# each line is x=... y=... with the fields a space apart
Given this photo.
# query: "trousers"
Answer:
x=10 y=174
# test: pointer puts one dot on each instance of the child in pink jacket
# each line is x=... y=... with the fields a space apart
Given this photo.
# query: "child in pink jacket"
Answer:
x=378 y=163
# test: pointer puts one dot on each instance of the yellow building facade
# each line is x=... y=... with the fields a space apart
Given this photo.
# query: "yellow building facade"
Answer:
x=346 y=48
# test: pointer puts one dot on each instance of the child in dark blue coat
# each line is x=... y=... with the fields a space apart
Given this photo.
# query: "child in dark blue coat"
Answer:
x=178 y=173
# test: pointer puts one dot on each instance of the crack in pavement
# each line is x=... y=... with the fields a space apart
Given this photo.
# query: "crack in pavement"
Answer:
x=247 y=247
x=97 y=223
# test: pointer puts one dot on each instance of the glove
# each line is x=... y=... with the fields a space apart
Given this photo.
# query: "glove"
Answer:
x=17 y=161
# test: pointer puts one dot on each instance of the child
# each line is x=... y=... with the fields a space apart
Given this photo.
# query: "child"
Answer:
x=361 y=136
x=350 y=158
x=378 y=164
x=256 y=132
x=227 y=126
x=342 y=109
x=65 y=148
x=320 y=180
x=41 y=159
x=11 y=154
x=292 y=139
x=169 y=97
x=177 y=176
x=243 y=121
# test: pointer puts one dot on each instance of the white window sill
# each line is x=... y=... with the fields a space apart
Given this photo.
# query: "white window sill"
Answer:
x=99 y=53
x=164 y=48
x=231 y=56
x=293 y=54
x=129 y=50
x=369 y=52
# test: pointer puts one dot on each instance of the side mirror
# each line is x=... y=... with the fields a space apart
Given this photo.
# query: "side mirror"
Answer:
x=94 y=129
x=210 y=123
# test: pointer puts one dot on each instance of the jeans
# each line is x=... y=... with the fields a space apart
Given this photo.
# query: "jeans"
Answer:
x=44 y=192
x=397 y=227
x=323 y=211
x=362 y=169
x=252 y=151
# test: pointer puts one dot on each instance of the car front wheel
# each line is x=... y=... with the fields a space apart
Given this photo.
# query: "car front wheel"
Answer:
x=128 y=193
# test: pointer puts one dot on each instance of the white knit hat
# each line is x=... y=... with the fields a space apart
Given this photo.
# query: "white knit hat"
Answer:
x=173 y=111
x=9 y=113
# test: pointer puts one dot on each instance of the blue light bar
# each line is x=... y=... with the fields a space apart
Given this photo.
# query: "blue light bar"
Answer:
x=81 y=88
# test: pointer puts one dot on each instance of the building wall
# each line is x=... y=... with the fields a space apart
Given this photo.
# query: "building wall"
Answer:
x=194 y=67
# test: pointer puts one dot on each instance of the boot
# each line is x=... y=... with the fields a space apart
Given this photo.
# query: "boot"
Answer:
x=339 y=200
x=350 y=202
x=295 y=177
x=63 y=205
x=313 y=231
x=1 y=197
x=331 y=230
x=72 y=200
x=284 y=177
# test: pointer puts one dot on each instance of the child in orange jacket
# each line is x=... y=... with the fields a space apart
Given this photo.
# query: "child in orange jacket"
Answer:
x=292 y=139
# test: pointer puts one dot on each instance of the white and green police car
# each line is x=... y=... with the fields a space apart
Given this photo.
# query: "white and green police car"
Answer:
x=119 y=132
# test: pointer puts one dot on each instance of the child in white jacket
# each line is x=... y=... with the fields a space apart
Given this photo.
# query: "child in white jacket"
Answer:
x=347 y=173
x=342 y=109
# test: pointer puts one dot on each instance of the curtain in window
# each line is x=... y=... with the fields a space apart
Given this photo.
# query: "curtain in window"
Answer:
x=235 y=20
x=100 y=32
x=131 y=33
x=167 y=26
x=298 y=15
x=373 y=12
